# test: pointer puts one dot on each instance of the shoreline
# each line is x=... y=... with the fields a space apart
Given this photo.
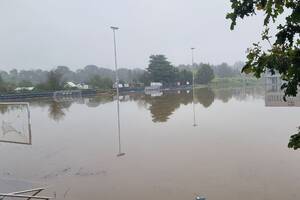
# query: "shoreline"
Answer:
x=217 y=83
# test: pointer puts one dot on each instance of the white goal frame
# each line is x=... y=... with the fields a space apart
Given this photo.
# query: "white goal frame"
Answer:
x=26 y=104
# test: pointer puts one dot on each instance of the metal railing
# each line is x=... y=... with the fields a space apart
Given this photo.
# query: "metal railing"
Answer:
x=25 y=194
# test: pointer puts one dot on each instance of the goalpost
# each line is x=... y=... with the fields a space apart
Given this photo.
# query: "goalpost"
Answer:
x=15 y=124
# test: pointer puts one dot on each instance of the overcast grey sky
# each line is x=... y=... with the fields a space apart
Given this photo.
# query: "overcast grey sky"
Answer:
x=46 y=33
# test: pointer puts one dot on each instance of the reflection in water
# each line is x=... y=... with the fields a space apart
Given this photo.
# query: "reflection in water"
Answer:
x=205 y=96
x=194 y=111
x=57 y=110
x=4 y=108
x=274 y=98
x=243 y=156
x=224 y=95
x=119 y=127
x=98 y=100
x=161 y=107
x=295 y=141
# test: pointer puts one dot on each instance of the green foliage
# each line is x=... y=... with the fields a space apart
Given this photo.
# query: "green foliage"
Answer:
x=101 y=83
x=283 y=56
x=184 y=76
x=160 y=69
x=204 y=75
x=2 y=85
x=25 y=83
x=5 y=86
x=54 y=82
x=39 y=76
x=145 y=78
x=225 y=71
x=295 y=141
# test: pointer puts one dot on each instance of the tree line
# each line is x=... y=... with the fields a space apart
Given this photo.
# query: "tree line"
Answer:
x=161 y=70
x=96 y=77
x=158 y=70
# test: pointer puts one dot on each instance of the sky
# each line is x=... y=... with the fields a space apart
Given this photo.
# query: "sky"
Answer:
x=75 y=33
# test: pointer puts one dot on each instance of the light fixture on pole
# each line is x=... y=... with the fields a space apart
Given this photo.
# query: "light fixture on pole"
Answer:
x=117 y=87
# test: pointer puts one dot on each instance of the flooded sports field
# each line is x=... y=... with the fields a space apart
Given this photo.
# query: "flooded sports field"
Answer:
x=172 y=145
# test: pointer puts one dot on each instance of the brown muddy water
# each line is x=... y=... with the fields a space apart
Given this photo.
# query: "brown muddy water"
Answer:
x=237 y=150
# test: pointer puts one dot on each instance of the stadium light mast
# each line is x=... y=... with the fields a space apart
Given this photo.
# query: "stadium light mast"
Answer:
x=114 y=29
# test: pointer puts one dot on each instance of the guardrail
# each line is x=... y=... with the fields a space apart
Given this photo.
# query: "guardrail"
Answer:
x=30 y=95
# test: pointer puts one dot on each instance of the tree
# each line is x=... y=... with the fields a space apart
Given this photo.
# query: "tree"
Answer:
x=184 y=76
x=5 y=86
x=283 y=55
x=145 y=78
x=13 y=74
x=2 y=85
x=54 y=82
x=66 y=73
x=224 y=71
x=204 y=75
x=101 y=83
x=160 y=69
x=25 y=83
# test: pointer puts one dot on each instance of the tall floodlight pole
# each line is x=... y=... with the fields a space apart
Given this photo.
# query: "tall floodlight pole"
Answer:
x=193 y=71
x=117 y=87
x=116 y=61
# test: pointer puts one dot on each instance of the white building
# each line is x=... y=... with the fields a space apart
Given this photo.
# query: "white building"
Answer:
x=82 y=86
x=120 y=85
x=70 y=85
x=24 y=88
x=77 y=86
x=154 y=86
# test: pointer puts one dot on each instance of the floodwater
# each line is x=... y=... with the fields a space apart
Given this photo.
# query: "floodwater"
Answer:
x=237 y=149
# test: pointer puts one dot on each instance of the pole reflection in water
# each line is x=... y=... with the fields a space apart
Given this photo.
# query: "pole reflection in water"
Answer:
x=119 y=127
x=194 y=106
